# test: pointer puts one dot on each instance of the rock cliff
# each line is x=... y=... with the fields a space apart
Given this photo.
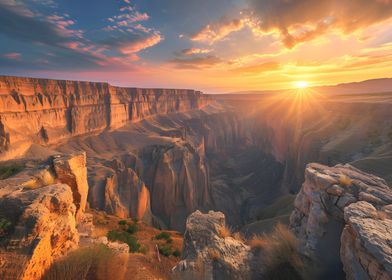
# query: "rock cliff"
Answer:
x=46 y=111
x=39 y=211
x=342 y=217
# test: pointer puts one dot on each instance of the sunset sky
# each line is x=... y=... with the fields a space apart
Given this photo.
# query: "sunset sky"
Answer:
x=212 y=45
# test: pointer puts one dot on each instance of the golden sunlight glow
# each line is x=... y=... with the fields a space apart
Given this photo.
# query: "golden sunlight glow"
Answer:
x=301 y=84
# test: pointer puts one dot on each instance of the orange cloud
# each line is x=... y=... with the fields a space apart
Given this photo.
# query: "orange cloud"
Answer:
x=300 y=20
x=303 y=20
x=216 y=31
x=141 y=44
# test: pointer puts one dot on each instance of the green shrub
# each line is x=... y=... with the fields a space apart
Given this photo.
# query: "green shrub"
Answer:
x=177 y=253
x=165 y=249
x=164 y=235
x=133 y=228
x=5 y=227
x=125 y=237
x=9 y=170
x=122 y=222
x=143 y=249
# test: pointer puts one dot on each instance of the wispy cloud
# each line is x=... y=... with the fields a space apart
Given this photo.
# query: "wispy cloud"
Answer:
x=196 y=62
x=216 y=31
x=192 y=51
x=13 y=55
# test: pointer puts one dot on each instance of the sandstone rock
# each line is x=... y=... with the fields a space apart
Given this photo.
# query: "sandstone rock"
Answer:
x=342 y=224
x=42 y=204
x=126 y=195
x=207 y=255
x=44 y=227
x=71 y=170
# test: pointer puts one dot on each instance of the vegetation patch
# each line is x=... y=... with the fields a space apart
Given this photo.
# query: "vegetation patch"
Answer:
x=124 y=237
x=164 y=236
x=7 y=171
x=6 y=227
x=165 y=247
x=280 y=254
x=98 y=263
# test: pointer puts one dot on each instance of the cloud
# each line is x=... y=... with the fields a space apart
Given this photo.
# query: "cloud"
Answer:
x=142 y=43
x=303 y=20
x=297 y=21
x=16 y=21
x=218 y=30
x=13 y=55
x=48 y=31
x=196 y=62
x=192 y=51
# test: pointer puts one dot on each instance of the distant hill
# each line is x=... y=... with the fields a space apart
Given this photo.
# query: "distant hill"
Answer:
x=367 y=86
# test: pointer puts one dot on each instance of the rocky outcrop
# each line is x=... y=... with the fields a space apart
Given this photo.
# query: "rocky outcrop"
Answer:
x=40 y=207
x=342 y=217
x=208 y=255
x=71 y=170
x=46 y=111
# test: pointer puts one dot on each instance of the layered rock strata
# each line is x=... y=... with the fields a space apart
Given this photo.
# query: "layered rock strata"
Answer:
x=39 y=209
x=343 y=218
x=46 y=111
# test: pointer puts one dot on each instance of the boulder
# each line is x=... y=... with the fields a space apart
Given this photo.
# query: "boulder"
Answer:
x=208 y=255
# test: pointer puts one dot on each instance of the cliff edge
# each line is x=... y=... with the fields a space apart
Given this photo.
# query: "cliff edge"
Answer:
x=45 y=111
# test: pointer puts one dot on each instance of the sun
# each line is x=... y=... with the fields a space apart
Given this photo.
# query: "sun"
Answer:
x=301 y=84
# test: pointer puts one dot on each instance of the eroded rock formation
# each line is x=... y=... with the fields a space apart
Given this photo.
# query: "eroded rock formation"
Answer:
x=40 y=206
x=342 y=215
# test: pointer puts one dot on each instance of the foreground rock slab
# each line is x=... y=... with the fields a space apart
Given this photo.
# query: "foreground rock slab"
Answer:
x=39 y=207
x=342 y=218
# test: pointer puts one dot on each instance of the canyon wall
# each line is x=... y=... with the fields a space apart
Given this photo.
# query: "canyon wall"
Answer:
x=158 y=169
x=46 y=111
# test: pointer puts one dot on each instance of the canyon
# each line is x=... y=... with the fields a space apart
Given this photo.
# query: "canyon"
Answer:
x=159 y=155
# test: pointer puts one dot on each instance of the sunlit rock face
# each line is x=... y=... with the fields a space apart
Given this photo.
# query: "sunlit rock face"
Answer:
x=43 y=206
x=126 y=195
x=46 y=111
x=342 y=218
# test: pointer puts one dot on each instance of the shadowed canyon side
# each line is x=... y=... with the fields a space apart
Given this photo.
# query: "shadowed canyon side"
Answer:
x=47 y=111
